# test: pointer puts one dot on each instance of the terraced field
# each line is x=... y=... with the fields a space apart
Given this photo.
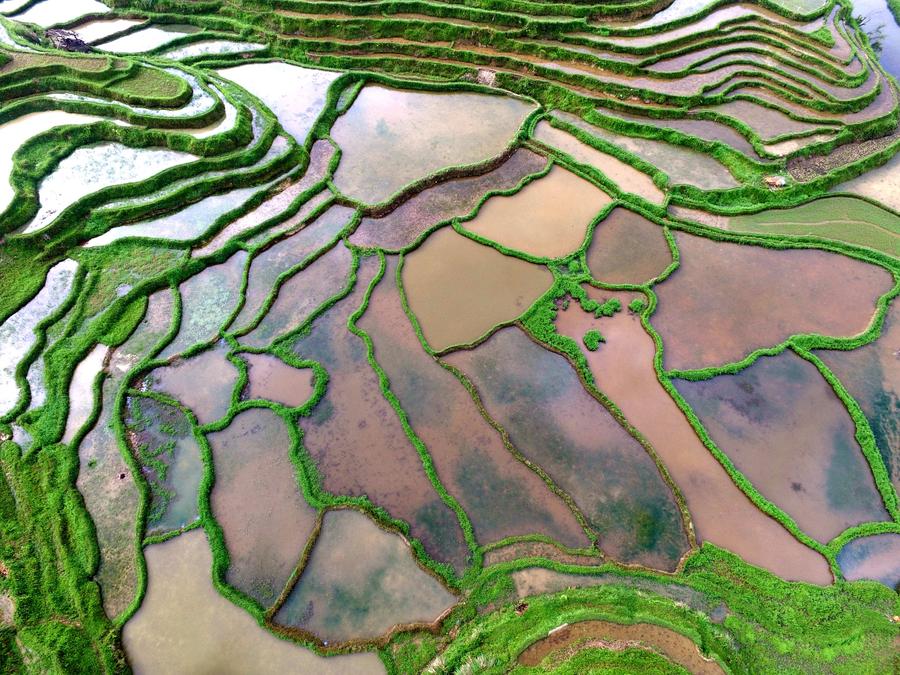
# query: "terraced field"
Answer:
x=450 y=336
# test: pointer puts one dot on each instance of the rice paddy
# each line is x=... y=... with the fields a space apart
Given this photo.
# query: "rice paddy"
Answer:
x=449 y=337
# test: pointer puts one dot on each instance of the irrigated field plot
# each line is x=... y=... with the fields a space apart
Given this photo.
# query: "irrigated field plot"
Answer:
x=471 y=336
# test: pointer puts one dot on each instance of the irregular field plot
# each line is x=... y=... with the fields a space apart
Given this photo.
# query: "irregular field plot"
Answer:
x=412 y=219
x=726 y=300
x=258 y=502
x=533 y=222
x=470 y=337
x=342 y=595
x=408 y=135
x=355 y=438
x=784 y=428
x=871 y=375
x=720 y=512
x=503 y=497
x=626 y=248
x=459 y=290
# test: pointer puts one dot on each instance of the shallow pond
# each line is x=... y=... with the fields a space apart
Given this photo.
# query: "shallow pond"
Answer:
x=536 y=396
x=162 y=442
x=219 y=376
x=93 y=168
x=257 y=501
x=17 y=334
x=765 y=122
x=548 y=218
x=624 y=175
x=355 y=437
x=207 y=300
x=81 y=390
x=185 y=625
x=273 y=208
x=187 y=224
x=681 y=165
x=98 y=29
x=725 y=299
x=626 y=248
x=211 y=48
x=871 y=375
x=270 y=263
x=147 y=39
x=876 y=557
x=404 y=225
x=460 y=290
x=14 y=132
x=342 y=595
x=296 y=95
x=301 y=295
x=878 y=15
x=785 y=429
x=105 y=480
x=272 y=379
x=54 y=12
x=391 y=137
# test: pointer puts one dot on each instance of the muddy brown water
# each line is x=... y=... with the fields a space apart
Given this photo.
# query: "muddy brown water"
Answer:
x=624 y=175
x=548 y=218
x=500 y=494
x=299 y=296
x=537 y=549
x=459 y=289
x=871 y=375
x=391 y=137
x=725 y=299
x=721 y=513
x=342 y=595
x=536 y=396
x=786 y=430
x=627 y=249
x=185 y=625
x=355 y=437
x=705 y=129
x=272 y=379
x=674 y=646
x=405 y=224
x=219 y=376
x=540 y=581
x=257 y=501
x=765 y=122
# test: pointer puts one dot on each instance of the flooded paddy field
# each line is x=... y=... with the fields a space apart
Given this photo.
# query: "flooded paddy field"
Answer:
x=756 y=297
x=453 y=338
